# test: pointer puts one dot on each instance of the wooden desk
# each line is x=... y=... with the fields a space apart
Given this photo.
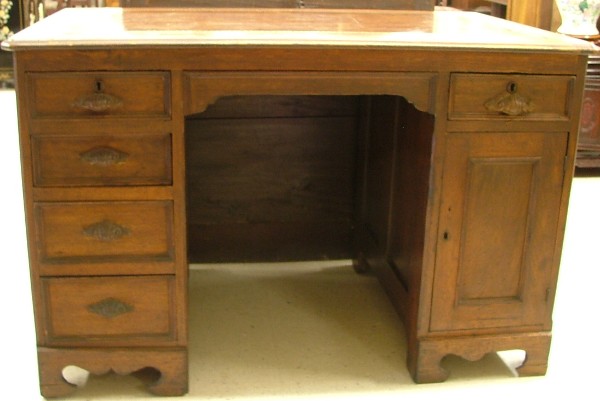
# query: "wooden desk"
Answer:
x=458 y=160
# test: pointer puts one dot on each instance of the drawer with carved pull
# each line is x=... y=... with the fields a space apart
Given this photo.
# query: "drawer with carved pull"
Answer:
x=101 y=238
x=67 y=160
x=126 y=310
x=94 y=95
x=510 y=96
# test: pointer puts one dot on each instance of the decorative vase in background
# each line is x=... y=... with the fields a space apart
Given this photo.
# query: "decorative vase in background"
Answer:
x=579 y=17
x=5 y=6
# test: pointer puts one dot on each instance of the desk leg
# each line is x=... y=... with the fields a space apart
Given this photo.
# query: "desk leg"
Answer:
x=171 y=363
x=360 y=264
x=425 y=356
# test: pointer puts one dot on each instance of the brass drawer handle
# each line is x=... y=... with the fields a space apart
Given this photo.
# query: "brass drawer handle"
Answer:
x=110 y=307
x=106 y=231
x=103 y=156
x=99 y=101
x=510 y=103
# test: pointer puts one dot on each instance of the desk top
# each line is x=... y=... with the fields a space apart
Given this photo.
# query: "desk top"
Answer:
x=117 y=27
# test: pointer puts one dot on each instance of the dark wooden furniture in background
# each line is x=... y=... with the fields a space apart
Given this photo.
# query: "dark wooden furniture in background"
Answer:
x=588 y=150
x=588 y=147
x=6 y=64
x=538 y=13
x=440 y=159
x=36 y=10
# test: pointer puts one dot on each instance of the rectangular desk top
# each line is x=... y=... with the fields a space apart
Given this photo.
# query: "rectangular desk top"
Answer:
x=117 y=27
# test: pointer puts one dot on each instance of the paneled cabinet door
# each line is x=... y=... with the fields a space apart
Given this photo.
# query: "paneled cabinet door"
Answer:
x=497 y=232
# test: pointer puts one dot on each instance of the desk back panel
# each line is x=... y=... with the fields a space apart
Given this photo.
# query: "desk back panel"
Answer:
x=277 y=167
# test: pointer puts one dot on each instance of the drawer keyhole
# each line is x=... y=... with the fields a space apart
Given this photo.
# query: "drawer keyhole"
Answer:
x=99 y=86
x=512 y=87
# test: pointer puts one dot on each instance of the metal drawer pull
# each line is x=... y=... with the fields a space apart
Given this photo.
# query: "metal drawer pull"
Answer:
x=98 y=102
x=510 y=103
x=106 y=231
x=110 y=308
x=103 y=156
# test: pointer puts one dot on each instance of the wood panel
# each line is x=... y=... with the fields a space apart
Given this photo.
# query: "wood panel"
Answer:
x=536 y=13
x=467 y=4
x=383 y=123
x=126 y=309
x=395 y=192
x=410 y=196
x=529 y=97
x=262 y=173
x=97 y=94
x=68 y=160
x=104 y=237
x=496 y=274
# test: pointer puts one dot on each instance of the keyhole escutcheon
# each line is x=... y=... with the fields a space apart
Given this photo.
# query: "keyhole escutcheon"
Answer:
x=511 y=87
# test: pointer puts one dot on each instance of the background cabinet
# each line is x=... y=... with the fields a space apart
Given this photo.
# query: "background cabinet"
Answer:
x=539 y=13
x=588 y=150
x=10 y=23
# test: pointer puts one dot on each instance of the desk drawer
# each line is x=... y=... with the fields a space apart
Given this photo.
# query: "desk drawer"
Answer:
x=108 y=309
x=101 y=160
x=101 y=94
x=91 y=237
x=510 y=96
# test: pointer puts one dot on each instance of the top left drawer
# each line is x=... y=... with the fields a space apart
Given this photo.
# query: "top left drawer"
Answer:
x=93 y=95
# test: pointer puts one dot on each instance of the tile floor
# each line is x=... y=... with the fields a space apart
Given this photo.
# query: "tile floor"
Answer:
x=309 y=331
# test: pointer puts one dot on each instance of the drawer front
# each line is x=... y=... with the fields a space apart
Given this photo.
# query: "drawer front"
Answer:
x=510 y=96
x=101 y=160
x=95 y=233
x=105 y=309
x=85 y=95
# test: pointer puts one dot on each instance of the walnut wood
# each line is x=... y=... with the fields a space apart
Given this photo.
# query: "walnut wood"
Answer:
x=286 y=179
x=148 y=317
x=72 y=237
x=363 y=4
x=425 y=366
x=143 y=27
x=65 y=95
x=101 y=160
x=299 y=133
x=172 y=364
x=504 y=179
x=478 y=96
x=213 y=86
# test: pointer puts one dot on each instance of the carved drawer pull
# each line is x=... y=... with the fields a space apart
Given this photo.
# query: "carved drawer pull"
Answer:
x=110 y=308
x=103 y=156
x=106 y=231
x=510 y=103
x=98 y=102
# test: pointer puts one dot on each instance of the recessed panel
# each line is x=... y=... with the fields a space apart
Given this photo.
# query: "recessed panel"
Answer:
x=497 y=207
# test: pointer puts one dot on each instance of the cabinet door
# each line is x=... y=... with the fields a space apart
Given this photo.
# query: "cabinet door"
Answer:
x=498 y=228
